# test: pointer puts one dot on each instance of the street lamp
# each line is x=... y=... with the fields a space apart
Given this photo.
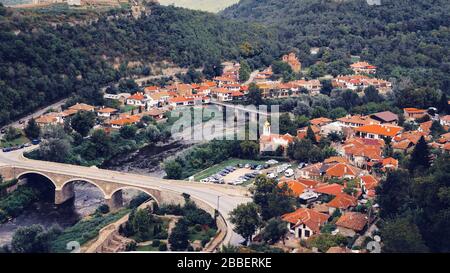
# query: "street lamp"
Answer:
x=218 y=202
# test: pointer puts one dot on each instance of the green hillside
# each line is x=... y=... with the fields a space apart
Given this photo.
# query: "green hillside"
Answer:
x=205 y=5
x=404 y=38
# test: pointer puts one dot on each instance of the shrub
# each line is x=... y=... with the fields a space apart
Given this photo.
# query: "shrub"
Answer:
x=156 y=243
x=162 y=247
x=103 y=209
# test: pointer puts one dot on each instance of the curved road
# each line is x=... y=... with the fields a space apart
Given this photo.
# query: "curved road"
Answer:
x=230 y=196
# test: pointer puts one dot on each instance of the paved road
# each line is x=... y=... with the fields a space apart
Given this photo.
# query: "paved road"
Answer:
x=35 y=114
x=230 y=196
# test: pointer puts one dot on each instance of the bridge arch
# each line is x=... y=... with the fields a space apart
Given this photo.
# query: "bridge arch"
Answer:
x=70 y=181
x=23 y=174
x=150 y=192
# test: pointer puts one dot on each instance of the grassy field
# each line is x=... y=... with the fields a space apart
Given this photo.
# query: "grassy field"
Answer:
x=147 y=248
x=205 y=5
x=18 y=141
x=201 y=235
x=218 y=167
x=85 y=230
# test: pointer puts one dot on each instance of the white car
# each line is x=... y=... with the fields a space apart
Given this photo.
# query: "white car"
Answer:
x=289 y=172
x=271 y=175
x=272 y=162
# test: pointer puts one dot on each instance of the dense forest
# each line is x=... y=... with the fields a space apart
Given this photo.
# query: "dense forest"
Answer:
x=404 y=38
x=43 y=60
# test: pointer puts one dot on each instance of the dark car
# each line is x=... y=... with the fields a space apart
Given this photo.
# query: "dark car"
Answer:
x=6 y=150
x=35 y=141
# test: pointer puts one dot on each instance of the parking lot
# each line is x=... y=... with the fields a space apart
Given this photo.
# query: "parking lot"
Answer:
x=241 y=172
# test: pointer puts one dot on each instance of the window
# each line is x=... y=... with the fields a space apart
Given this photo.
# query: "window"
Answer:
x=307 y=233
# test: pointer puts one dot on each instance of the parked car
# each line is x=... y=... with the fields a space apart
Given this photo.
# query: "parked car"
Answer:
x=271 y=175
x=35 y=141
x=240 y=165
x=7 y=150
x=289 y=172
x=259 y=167
x=271 y=162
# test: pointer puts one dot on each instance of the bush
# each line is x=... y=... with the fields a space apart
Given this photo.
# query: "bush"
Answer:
x=162 y=247
x=156 y=243
x=103 y=209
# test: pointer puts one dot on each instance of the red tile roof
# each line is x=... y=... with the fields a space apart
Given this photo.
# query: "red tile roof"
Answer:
x=341 y=170
x=330 y=189
x=343 y=201
x=382 y=130
x=311 y=218
x=352 y=220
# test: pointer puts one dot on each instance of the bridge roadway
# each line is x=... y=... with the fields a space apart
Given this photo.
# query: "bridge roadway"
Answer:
x=230 y=196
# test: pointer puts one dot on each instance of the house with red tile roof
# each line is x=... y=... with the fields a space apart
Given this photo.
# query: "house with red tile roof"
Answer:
x=304 y=222
x=351 y=223
x=363 y=68
x=106 y=112
x=329 y=189
x=295 y=186
x=445 y=120
x=389 y=163
x=138 y=99
x=125 y=120
x=82 y=107
x=386 y=117
x=368 y=183
x=413 y=113
x=378 y=131
x=342 y=202
x=356 y=121
x=320 y=121
x=313 y=171
x=342 y=171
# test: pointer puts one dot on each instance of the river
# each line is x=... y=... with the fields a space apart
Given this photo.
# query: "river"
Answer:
x=87 y=197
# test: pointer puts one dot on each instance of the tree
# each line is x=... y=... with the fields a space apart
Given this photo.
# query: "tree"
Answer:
x=324 y=241
x=246 y=220
x=212 y=68
x=173 y=169
x=420 y=157
x=401 y=235
x=141 y=224
x=56 y=150
x=12 y=133
x=244 y=71
x=128 y=131
x=371 y=95
x=310 y=135
x=393 y=195
x=82 y=122
x=33 y=239
x=32 y=130
x=274 y=230
x=249 y=149
x=304 y=151
x=102 y=142
x=273 y=200
x=178 y=238
x=254 y=95
x=443 y=105
x=436 y=128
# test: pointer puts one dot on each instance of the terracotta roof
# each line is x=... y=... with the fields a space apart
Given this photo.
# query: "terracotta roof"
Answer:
x=311 y=218
x=320 y=121
x=369 y=181
x=296 y=187
x=390 y=161
x=343 y=201
x=362 y=65
x=336 y=159
x=308 y=182
x=358 y=120
x=377 y=129
x=137 y=96
x=386 y=116
x=330 y=189
x=46 y=119
x=107 y=110
x=340 y=170
x=352 y=220
x=82 y=107
x=414 y=110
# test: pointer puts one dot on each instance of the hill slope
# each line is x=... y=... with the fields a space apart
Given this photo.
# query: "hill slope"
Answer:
x=405 y=38
x=44 y=59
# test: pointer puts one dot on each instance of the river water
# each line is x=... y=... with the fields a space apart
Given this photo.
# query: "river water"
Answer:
x=46 y=213
x=87 y=197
